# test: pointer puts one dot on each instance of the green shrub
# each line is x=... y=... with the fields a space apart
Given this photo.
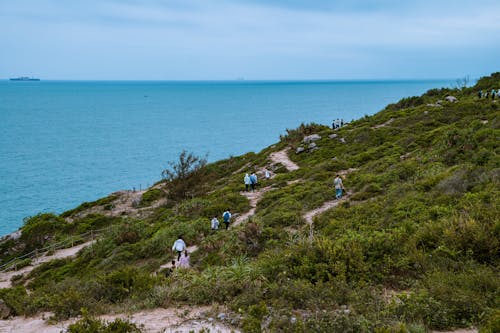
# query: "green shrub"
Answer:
x=92 y=325
x=15 y=298
x=151 y=196
x=87 y=205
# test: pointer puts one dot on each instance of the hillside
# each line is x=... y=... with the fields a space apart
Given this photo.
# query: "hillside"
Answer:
x=413 y=246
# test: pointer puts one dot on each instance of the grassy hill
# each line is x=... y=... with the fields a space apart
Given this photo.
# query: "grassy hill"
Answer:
x=414 y=245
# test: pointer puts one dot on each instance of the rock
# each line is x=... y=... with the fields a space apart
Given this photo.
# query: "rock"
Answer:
x=221 y=316
x=451 y=99
x=312 y=145
x=333 y=136
x=299 y=150
x=293 y=320
x=210 y=319
x=311 y=138
x=439 y=102
x=335 y=158
x=426 y=112
x=342 y=140
x=5 y=311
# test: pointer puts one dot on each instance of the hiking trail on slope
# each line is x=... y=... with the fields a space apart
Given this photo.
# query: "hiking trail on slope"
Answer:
x=5 y=277
x=282 y=157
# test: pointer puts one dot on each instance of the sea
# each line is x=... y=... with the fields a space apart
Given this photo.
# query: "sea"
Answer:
x=66 y=142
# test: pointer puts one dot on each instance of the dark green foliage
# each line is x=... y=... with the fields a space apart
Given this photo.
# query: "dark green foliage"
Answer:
x=16 y=299
x=40 y=228
x=105 y=202
x=151 y=196
x=296 y=135
x=185 y=177
x=91 y=325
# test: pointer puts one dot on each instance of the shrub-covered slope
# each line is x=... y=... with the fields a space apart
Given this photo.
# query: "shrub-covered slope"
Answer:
x=414 y=246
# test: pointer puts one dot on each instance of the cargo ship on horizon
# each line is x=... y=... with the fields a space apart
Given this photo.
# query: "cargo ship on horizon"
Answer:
x=24 y=78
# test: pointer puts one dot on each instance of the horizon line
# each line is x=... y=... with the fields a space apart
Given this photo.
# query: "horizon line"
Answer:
x=242 y=80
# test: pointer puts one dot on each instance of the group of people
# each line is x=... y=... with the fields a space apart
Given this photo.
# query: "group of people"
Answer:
x=493 y=93
x=251 y=180
x=338 y=123
x=226 y=218
x=180 y=245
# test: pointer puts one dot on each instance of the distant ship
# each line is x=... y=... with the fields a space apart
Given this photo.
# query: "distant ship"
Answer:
x=24 y=78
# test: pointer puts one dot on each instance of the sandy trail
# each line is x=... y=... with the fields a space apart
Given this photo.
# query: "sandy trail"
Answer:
x=282 y=157
x=190 y=250
x=388 y=122
x=254 y=198
x=471 y=330
x=326 y=206
x=182 y=320
x=5 y=277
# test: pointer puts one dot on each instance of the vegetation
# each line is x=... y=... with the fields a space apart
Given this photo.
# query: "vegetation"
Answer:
x=414 y=247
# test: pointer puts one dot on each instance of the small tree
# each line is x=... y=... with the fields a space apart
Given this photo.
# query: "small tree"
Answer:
x=184 y=176
x=462 y=83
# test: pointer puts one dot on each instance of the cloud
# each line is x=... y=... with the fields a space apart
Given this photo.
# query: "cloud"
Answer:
x=250 y=36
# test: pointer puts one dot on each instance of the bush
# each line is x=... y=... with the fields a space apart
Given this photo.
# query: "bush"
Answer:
x=151 y=196
x=15 y=298
x=185 y=178
x=91 y=325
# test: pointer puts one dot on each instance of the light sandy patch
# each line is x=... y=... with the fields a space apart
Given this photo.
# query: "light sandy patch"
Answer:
x=182 y=320
x=326 y=206
x=125 y=204
x=388 y=122
x=282 y=157
x=190 y=250
x=5 y=277
x=344 y=173
x=254 y=198
x=471 y=330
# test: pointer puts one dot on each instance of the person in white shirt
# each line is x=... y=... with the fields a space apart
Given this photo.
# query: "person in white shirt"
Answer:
x=247 y=181
x=179 y=246
x=339 y=187
x=215 y=223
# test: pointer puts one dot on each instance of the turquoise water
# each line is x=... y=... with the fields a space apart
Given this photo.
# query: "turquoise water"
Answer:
x=62 y=143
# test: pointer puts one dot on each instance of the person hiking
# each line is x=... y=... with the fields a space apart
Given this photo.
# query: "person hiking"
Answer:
x=267 y=174
x=226 y=217
x=184 y=260
x=214 y=223
x=247 y=181
x=179 y=246
x=339 y=187
x=253 y=181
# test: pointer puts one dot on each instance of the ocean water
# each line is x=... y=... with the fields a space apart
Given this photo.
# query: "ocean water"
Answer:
x=65 y=142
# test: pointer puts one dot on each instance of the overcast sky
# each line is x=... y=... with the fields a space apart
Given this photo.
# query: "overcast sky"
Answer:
x=251 y=39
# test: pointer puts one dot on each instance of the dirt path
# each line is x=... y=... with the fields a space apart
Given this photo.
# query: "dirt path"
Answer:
x=190 y=250
x=126 y=203
x=5 y=277
x=326 y=206
x=254 y=198
x=182 y=320
x=472 y=330
x=388 y=122
x=282 y=157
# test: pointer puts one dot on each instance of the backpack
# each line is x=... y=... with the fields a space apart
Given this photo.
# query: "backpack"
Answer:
x=226 y=216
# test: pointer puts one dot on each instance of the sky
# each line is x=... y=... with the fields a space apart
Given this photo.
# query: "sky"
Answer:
x=250 y=39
